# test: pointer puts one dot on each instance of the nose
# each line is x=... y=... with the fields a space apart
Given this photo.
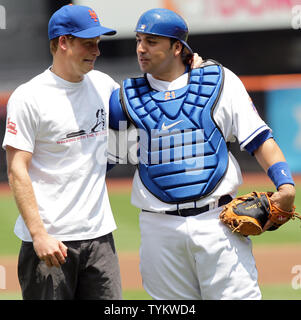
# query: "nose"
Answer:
x=140 y=47
x=97 y=50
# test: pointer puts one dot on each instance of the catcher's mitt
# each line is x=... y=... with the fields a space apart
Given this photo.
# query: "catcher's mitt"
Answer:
x=249 y=213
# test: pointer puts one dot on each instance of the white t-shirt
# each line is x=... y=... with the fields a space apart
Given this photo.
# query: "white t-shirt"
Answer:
x=65 y=127
x=237 y=118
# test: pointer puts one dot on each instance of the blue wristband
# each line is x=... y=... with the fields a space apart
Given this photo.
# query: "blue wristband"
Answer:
x=280 y=174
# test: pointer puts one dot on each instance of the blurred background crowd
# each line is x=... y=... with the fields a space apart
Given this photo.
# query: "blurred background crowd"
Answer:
x=259 y=40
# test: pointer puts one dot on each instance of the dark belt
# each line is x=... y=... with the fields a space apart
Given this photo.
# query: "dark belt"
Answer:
x=195 y=211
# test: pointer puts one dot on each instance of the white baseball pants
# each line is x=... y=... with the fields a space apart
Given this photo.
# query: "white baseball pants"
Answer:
x=195 y=258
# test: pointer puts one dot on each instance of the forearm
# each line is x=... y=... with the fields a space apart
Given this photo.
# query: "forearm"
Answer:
x=47 y=248
x=267 y=155
x=23 y=192
x=52 y=251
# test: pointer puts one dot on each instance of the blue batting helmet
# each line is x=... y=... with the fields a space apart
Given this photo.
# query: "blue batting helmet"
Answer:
x=164 y=22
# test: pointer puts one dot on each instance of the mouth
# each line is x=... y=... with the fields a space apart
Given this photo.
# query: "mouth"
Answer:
x=90 y=61
x=143 y=60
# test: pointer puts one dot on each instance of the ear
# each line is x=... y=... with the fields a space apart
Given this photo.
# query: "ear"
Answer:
x=63 y=43
x=178 y=46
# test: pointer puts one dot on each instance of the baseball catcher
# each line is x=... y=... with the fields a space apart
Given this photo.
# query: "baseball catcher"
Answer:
x=185 y=173
x=249 y=213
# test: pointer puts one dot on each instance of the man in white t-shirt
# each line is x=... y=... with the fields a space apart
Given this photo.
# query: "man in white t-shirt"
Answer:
x=186 y=119
x=56 y=141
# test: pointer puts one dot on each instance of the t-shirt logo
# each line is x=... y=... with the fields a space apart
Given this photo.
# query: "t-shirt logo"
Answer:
x=11 y=127
x=100 y=121
x=97 y=128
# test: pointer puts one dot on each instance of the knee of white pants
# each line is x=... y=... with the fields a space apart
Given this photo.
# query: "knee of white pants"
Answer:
x=217 y=264
x=227 y=270
x=167 y=268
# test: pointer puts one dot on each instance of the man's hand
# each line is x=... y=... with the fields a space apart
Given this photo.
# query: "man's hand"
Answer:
x=196 y=61
x=50 y=250
x=283 y=199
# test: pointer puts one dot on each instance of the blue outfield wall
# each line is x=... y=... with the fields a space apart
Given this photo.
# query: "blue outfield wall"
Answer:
x=281 y=109
x=283 y=112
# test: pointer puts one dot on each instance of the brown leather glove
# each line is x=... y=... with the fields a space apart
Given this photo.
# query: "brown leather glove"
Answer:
x=249 y=213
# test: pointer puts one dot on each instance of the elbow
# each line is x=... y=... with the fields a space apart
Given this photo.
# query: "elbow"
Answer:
x=17 y=164
x=11 y=176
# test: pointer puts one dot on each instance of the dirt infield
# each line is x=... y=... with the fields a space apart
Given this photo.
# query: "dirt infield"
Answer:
x=274 y=264
x=125 y=184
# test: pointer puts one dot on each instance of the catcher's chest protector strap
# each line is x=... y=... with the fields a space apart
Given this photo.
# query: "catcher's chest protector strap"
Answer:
x=183 y=155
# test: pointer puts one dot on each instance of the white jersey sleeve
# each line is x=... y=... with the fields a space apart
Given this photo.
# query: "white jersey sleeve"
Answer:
x=21 y=122
x=236 y=114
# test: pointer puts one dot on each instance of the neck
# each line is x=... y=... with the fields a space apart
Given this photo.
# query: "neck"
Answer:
x=60 y=69
x=171 y=74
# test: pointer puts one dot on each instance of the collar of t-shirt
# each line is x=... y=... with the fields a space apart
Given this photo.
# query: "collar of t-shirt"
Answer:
x=161 y=85
x=62 y=82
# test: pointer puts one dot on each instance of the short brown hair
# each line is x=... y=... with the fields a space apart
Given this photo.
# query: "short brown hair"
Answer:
x=185 y=54
x=53 y=45
x=55 y=42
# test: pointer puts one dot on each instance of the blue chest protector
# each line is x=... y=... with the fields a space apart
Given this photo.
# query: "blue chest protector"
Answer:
x=183 y=154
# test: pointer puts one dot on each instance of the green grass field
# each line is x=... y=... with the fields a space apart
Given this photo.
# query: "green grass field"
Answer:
x=127 y=238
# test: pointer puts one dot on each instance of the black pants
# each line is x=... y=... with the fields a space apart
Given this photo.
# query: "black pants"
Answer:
x=91 y=272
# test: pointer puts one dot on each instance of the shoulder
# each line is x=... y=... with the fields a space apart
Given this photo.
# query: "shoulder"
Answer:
x=231 y=79
x=29 y=88
x=23 y=98
x=230 y=75
x=98 y=76
x=22 y=93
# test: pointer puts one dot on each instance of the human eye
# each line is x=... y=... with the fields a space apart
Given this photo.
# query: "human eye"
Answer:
x=152 y=41
x=88 y=43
